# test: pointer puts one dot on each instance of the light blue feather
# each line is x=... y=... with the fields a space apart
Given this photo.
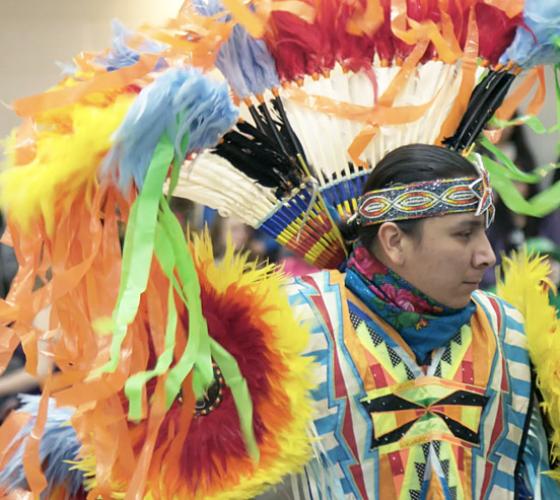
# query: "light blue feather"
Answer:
x=540 y=43
x=209 y=8
x=121 y=55
x=182 y=103
x=245 y=61
x=58 y=445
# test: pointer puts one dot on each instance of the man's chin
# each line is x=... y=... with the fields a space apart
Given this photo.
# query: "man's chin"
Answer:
x=459 y=302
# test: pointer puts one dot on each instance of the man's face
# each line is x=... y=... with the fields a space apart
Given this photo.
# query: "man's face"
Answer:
x=448 y=259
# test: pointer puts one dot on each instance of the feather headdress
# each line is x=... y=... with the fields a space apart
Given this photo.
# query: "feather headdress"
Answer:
x=351 y=84
x=147 y=338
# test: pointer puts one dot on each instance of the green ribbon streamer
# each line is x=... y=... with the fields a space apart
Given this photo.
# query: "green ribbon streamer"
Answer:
x=198 y=356
x=240 y=392
x=138 y=250
x=200 y=347
x=174 y=180
x=134 y=386
x=510 y=169
x=533 y=122
x=181 y=149
x=502 y=176
x=152 y=230
x=539 y=205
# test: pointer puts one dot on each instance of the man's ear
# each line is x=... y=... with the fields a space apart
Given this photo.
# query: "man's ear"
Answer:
x=390 y=242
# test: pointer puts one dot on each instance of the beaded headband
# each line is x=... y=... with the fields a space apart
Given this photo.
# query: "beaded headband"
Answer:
x=420 y=200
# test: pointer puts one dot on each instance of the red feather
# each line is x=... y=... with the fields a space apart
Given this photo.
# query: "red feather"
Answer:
x=301 y=48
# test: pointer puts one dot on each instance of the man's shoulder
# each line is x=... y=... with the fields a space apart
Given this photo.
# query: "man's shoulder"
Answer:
x=507 y=323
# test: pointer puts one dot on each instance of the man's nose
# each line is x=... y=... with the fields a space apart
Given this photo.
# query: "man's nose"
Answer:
x=484 y=256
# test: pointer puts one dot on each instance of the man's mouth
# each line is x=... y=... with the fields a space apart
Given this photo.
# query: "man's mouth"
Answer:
x=472 y=283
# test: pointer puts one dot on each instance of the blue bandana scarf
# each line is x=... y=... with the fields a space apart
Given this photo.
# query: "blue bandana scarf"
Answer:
x=423 y=323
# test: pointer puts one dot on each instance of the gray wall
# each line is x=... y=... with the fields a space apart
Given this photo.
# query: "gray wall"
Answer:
x=545 y=146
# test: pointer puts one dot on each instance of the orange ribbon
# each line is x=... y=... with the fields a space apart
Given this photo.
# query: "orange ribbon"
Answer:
x=366 y=135
x=247 y=18
x=398 y=15
x=176 y=446
x=448 y=28
x=366 y=22
x=404 y=74
x=7 y=312
x=35 y=104
x=511 y=8
x=468 y=68
x=385 y=115
x=514 y=100
x=8 y=345
x=137 y=484
x=11 y=426
x=446 y=44
x=447 y=51
x=382 y=113
x=26 y=147
x=31 y=455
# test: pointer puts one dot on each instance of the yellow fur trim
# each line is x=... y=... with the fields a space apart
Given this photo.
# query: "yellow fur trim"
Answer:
x=526 y=286
x=70 y=146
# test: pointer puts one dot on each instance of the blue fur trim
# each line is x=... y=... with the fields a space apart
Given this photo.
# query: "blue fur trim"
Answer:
x=121 y=55
x=540 y=45
x=245 y=61
x=194 y=110
x=58 y=445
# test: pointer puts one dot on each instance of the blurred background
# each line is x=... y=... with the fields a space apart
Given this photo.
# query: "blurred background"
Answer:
x=38 y=36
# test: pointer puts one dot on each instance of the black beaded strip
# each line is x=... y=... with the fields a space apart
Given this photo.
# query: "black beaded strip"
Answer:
x=213 y=397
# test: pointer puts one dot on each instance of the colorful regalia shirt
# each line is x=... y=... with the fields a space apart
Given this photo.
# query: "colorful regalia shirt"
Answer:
x=464 y=426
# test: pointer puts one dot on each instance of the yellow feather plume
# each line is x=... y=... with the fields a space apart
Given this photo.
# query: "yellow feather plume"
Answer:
x=69 y=148
x=526 y=286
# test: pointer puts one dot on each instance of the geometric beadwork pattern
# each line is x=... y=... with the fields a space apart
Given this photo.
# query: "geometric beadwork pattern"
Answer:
x=382 y=349
x=420 y=199
x=453 y=355
x=393 y=416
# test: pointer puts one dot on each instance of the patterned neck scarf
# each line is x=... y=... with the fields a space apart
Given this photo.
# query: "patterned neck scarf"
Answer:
x=423 y=323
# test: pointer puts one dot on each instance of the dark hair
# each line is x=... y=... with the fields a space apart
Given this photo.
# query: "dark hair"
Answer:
x=408 y=164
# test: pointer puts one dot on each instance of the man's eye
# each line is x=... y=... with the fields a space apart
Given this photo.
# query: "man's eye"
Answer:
x=465 y=235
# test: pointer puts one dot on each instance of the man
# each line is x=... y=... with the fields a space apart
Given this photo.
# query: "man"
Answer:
x=425 y=383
